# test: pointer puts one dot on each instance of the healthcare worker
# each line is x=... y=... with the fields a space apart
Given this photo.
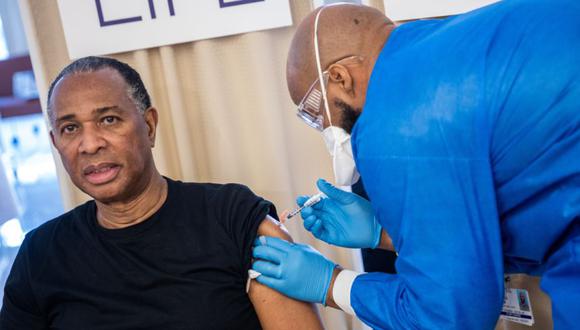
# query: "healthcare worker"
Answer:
x=466 y=133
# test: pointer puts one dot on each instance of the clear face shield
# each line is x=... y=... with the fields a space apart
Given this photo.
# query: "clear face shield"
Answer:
x=309 y=109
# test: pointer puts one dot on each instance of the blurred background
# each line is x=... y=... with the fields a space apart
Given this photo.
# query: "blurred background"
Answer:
x=29 y=189
x=225 y=116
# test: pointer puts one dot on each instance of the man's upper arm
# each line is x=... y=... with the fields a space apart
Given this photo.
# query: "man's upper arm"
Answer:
x=275 y=310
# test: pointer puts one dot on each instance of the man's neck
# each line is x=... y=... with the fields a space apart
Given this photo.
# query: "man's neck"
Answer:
x=124 y=214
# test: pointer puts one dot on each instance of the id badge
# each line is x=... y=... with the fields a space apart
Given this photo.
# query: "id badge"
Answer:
x=516 y=306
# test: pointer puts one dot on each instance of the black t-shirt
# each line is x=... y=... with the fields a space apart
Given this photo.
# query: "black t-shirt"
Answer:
x=183 y=268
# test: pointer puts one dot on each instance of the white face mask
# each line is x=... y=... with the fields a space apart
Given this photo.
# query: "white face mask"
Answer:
x=338 y=145
x=337 y=139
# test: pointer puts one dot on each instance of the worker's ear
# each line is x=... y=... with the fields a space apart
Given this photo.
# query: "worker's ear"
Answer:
x=342 y=76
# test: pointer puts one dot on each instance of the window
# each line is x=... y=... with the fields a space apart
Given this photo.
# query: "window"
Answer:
x=28 y=184
x=3 y=48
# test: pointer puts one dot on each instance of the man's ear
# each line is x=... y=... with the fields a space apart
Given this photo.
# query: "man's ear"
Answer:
x=340 y=74
x=151 y=119
x=52 y=137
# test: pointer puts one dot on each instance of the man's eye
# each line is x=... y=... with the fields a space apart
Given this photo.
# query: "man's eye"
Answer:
x=68 y=129
x=109 y=120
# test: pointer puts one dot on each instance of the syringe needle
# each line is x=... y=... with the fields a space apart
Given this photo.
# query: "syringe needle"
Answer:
x=311 y=201
x=296 y=211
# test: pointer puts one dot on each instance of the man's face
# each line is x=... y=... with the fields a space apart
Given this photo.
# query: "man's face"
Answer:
x=103 y=140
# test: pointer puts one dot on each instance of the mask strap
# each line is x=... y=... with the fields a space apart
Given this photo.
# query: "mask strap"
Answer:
x=319 y=66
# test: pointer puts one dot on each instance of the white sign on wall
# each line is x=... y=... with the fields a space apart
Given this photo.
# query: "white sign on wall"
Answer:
x=399 y=10
x=97 y=27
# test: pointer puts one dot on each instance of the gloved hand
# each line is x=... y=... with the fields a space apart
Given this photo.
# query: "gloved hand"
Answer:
x=343 y=219
x=296 y=270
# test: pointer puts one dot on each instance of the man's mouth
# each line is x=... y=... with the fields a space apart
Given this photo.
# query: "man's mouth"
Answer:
x=101 y=173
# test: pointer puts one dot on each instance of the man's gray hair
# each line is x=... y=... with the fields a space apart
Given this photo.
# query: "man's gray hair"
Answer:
x=136 y=89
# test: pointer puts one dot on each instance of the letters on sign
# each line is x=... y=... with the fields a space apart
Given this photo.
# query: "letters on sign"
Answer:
x=229 y=3
x=99 y=27
x=103 y=22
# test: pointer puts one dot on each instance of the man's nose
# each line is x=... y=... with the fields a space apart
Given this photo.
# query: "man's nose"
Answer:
x=91 y=141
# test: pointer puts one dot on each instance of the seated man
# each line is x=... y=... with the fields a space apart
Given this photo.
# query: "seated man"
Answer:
x=148 y=251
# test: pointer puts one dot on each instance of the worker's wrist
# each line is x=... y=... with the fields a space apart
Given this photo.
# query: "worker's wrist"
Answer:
x=377 y=234
x=386 y=243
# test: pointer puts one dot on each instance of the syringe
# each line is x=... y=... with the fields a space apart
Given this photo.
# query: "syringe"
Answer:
x=311 y=201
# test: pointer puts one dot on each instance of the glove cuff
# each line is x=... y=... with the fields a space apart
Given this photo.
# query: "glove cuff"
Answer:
x=378 y=231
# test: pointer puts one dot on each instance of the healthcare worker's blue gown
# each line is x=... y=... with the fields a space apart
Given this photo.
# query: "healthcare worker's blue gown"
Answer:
x=469 y=147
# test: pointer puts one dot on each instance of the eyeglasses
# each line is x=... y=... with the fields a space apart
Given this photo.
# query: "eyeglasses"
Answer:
x=309 y=108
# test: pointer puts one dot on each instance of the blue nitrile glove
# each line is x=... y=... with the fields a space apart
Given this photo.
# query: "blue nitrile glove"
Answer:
x=343 y=219
x=296 y=270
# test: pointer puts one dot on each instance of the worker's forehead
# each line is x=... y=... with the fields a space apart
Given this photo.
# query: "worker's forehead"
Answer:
x=301 y=62
x=299 y=83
